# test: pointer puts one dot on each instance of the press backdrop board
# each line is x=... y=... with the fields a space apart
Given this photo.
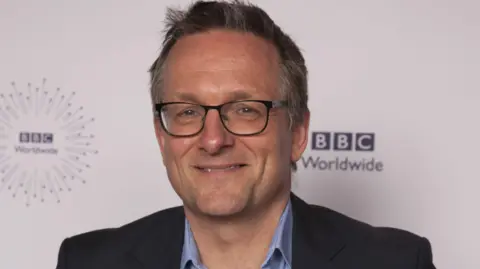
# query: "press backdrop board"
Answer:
x=395 y=82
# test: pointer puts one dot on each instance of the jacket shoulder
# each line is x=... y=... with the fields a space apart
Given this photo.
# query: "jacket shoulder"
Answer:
x=354 y=229
x=377 y=247
x=102 y=244
x=126 y=232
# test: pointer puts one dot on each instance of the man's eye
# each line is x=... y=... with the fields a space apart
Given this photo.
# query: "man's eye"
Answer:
x=247 y=110
x=188 y=113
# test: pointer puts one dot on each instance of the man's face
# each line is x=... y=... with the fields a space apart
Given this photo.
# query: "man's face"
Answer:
x=217 y=173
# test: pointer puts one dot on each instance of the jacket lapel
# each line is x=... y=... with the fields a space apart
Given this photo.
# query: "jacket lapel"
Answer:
x=315 y=242
x=161 y=247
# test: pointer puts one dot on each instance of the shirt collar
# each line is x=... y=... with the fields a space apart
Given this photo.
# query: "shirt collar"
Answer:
x=281 y=241
x=190 y=251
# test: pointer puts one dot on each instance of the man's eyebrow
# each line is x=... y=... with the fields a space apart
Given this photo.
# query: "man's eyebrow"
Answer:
x=192 y=97
x=239 y=95
x=186 y=96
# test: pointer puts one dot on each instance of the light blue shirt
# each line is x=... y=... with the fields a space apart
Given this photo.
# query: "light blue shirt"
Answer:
x=279 y=254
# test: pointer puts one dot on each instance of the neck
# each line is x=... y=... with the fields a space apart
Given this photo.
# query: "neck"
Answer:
x=241 y=241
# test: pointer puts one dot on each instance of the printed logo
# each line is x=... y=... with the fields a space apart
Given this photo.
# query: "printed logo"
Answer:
x=45 y=143
x=359 y=148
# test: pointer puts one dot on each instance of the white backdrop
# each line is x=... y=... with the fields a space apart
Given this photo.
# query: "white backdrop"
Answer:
x=406 y=71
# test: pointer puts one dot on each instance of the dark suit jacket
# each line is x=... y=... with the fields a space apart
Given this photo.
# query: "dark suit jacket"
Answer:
x=322 y=239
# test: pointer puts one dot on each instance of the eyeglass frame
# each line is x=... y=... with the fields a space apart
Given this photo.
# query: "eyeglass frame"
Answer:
x=269 y=104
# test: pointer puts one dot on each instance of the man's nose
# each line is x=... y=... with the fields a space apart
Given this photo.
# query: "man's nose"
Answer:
x=214 y=137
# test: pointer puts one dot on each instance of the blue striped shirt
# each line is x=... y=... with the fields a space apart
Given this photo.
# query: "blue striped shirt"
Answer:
x=279 y=255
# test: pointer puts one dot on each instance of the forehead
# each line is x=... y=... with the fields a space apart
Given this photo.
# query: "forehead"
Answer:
x=218 y=64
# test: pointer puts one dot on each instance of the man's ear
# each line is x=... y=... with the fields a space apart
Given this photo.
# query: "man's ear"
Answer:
x=300 y=137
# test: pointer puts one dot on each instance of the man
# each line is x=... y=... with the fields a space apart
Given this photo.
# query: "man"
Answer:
x=231 y=118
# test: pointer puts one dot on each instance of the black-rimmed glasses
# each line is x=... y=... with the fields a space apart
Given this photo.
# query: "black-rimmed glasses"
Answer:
x=243 y=118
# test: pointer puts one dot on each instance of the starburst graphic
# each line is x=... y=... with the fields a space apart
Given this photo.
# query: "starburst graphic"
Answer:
x=45 y=145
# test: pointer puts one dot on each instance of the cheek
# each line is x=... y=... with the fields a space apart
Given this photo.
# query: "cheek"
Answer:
x=268 y=150
x=278 y=141
x=279 y=154
x=277 y=151
x=175 y=152
x=176 y=148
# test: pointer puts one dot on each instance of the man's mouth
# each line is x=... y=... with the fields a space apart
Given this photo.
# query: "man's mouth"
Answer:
x=219 y=168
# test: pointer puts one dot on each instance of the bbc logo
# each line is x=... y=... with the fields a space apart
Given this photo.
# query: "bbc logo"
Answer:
x=341 y=141
x=37 y=138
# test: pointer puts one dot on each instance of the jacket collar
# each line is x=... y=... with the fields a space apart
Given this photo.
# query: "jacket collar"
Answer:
x=161 y=245
x=315 y=241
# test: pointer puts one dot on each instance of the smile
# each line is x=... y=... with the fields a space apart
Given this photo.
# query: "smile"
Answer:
x=219 y=168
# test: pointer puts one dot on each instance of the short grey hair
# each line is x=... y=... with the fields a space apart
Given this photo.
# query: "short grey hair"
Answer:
x=241 y=16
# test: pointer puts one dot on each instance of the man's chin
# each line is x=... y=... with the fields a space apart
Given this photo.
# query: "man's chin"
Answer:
x=221 y=208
